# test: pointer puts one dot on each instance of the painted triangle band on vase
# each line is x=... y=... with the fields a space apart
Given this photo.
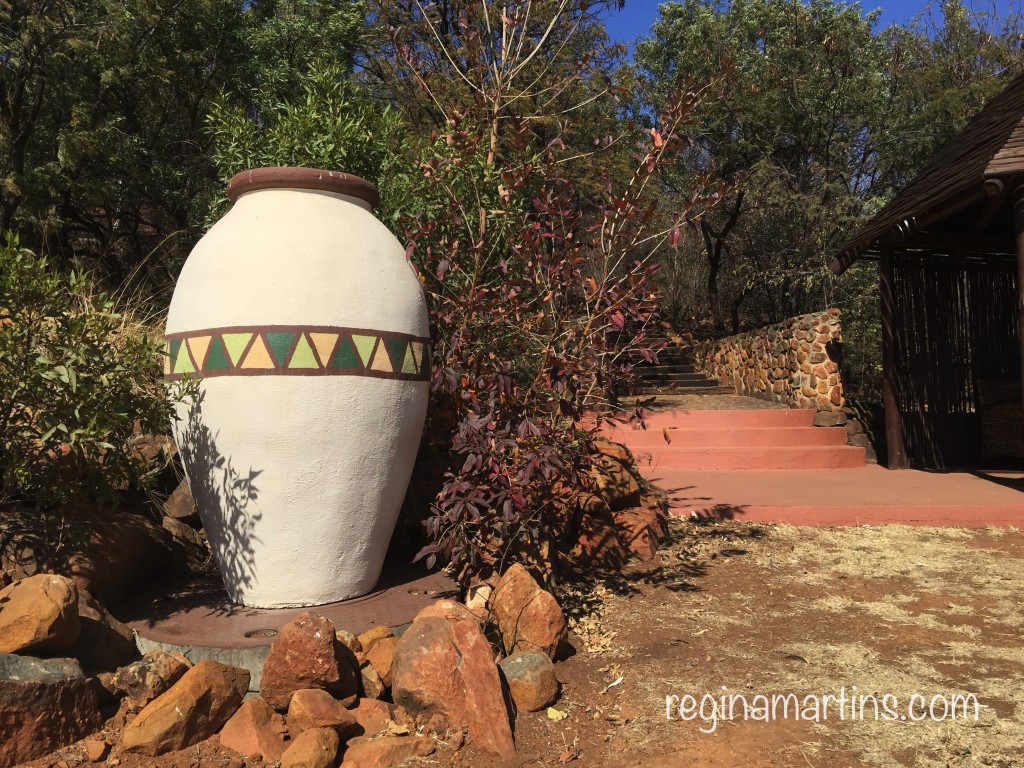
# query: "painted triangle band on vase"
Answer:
x=296 y=351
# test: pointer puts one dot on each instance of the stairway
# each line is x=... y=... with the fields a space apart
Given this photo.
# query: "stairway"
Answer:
x=733 y=458
x=755 y=439
x=673 y=373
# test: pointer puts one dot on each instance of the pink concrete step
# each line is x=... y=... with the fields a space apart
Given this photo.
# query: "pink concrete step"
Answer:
x=724 y=419
x=770 y=457
x=869 y=495
x=734 y=437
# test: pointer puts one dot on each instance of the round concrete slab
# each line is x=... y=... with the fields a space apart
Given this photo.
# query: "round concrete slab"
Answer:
x=200 y=622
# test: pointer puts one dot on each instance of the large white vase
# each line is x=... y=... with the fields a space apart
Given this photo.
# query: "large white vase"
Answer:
x=308 y=328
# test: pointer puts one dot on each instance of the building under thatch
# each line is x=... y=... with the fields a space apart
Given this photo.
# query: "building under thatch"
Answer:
x=951 y=255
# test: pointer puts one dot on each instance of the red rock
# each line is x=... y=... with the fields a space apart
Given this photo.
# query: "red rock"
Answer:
x=528 y=617
x=616 y=484
x=317 y=748
x=478 y=599
x=372 y=717
x=387 y=751
x=426 y=678
x=44 y=705
x=255 y=729
x=312 y=708
x=190 y=549
x=637 y=533
x=486 y=711
x=452 y=611
x=193 y=709
x=381 y=657
x=39 y=615
x=95 y=750
x=106 y=683
x=531 y=680
x=153 y=674
x=306 y=654
x=104 y=643
x=447 y=670
x=373 y=686
x=119 y=549
x=613 y=450
x=598 y=541
x=152 y=448
x=370 y=636
x=181 y=506
x=349 y=640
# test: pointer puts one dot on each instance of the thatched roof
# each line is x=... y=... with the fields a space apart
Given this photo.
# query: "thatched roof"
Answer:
x=962 y=174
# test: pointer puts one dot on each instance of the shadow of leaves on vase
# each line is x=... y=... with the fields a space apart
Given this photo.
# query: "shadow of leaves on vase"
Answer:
x=225 y=499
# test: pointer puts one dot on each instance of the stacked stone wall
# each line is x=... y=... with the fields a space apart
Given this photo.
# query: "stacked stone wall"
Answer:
x=795 y=362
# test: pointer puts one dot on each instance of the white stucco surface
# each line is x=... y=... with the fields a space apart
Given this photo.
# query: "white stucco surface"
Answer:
x=299 y=479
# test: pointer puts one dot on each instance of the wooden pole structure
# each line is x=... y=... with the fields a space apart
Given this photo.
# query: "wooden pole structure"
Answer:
x=1018 y=226
x=890 y=392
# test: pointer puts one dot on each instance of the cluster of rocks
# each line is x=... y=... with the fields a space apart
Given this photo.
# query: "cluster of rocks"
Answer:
x=620 y=519
x=795 y=362
x=864 y=422
x=48 y=702
x=109 y=552
x=458 y=672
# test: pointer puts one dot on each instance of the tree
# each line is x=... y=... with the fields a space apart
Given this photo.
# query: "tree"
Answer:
x=799 y=97
x=101 y=143
x=943 y=67
x=531 y=215
x=818 y=120
x=104 y=151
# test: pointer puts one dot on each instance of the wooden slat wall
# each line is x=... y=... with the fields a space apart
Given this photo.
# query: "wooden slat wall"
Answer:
x=956 y=324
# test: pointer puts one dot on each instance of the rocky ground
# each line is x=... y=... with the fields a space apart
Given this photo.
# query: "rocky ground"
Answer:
x=757 y=609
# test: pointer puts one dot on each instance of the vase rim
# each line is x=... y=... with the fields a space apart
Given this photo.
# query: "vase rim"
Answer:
x=298 y=177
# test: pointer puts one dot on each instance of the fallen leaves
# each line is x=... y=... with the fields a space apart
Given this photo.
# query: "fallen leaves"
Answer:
x=556 y=714
x=587 y=609
x=617 y=681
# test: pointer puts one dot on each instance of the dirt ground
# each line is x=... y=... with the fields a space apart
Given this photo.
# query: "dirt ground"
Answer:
x=779 y=610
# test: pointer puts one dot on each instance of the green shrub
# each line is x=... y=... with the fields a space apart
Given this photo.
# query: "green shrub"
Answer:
x=79 y=380
x=332 y=124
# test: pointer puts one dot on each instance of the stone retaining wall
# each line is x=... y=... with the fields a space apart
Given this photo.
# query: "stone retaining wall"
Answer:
x=795 y=362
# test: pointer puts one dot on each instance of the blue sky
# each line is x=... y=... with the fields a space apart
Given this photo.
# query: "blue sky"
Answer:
x=626 y=25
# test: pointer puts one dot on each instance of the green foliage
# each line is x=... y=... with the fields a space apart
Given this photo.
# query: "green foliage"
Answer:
x=819 y=119
x=800 y=102
x=289 y=38
x=944 y=65
x=858 y=294
x=104 y=155
x=102 y=159
x=332 y=124
x=78 y=380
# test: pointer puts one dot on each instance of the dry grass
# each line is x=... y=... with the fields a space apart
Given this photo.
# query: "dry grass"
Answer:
x=890 y=609
x=906 y=563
